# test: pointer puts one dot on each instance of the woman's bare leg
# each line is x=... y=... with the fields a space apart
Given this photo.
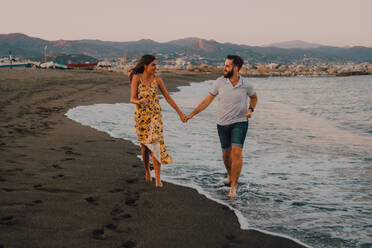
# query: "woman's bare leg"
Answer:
x=157 y=167
x=146 y=162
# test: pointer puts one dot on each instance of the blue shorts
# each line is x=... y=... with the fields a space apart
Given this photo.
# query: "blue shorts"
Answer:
x=232 y=135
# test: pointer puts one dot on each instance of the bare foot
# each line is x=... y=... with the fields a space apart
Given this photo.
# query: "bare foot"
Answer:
x=232 y=193
x=159 y=184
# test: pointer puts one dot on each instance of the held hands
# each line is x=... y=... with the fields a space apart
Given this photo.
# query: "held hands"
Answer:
x=184 y=118
x=188 y=117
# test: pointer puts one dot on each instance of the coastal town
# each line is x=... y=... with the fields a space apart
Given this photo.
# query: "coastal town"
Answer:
x=198 y=65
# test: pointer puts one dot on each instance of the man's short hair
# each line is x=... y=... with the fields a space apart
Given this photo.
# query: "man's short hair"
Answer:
x=237 y=60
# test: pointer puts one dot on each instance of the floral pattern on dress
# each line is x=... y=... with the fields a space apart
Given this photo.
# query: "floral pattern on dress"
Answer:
x=148 y=120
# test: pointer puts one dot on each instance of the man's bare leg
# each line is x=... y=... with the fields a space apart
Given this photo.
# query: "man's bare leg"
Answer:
x=146 y=162
x=236 y=167
x=157 y=167
x=226 y=156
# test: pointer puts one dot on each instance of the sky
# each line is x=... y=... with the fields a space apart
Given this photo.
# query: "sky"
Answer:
x=258 y=22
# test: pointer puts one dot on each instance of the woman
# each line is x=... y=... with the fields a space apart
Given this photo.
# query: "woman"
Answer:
x=148 y=120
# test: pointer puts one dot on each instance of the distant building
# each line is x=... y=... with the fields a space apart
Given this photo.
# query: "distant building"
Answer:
x=180 y=63
x=123 y=59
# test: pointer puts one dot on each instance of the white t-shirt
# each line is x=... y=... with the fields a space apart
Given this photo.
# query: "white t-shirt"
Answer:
x=232 y=100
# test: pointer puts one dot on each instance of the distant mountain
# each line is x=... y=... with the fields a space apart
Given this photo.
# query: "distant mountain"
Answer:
x=294 y=44
x=196 y=50
x=184 y=42
x=21 y=44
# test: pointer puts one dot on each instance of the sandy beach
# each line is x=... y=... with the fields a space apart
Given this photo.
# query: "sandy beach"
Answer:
x=67 y=185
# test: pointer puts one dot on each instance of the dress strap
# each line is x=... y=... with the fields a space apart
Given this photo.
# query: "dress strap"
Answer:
x=154 y=80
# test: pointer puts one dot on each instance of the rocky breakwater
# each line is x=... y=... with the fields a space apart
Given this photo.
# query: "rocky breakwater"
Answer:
x=204 y=68
x=276 y=70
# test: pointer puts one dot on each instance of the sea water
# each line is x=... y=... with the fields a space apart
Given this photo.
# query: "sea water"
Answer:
x=307 y=170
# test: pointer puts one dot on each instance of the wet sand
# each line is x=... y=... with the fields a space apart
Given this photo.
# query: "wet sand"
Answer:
x=67 y=185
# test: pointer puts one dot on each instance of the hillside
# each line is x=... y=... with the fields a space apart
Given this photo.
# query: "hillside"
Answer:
x=295 y=44
x=198 y=50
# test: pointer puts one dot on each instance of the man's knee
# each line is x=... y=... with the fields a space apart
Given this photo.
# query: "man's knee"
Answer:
x=236 y=152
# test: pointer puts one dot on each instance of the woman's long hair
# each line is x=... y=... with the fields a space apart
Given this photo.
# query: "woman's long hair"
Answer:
x=140 y=66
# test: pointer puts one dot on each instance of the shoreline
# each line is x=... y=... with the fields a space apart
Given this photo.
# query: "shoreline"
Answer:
x=64 y=184
x=243 y=221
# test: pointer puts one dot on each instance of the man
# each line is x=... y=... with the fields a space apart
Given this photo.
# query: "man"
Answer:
x=233 y=113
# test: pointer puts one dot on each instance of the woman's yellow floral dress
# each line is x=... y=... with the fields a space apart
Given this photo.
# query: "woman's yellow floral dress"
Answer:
x=148 y=122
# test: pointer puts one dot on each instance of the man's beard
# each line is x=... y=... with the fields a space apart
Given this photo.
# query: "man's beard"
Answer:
x=229 y=74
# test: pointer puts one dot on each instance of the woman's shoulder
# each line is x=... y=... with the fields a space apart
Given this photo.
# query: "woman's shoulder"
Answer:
x=136 y=77
x=158 y=79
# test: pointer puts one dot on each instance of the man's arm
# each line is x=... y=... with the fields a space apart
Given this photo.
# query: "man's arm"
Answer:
x=203 y=105
x=252 y=105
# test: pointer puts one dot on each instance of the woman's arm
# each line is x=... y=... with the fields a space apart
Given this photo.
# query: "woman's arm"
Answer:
x=167 y=97
x=133 y=91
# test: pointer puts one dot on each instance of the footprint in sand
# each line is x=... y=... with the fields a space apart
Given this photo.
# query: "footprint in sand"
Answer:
x=122 y=217
x=116 y=211
x=231 y=240
x=8 y=189
x=38 y=186
x=56 y=166
x=69 y=151
x=116 y=190
x=99 y=234
x=58 y=176
x=7 y=220
x=118 y=214
x=33 y=203
x=67 y=159
x=91 y=200
x=129 y=244
x=66 y=148
x=129 y=201
x=111 y=226
x=72 y=153
x=131 y=180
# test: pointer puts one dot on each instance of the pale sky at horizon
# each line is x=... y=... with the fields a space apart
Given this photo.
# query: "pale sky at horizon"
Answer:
x=328 y=22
